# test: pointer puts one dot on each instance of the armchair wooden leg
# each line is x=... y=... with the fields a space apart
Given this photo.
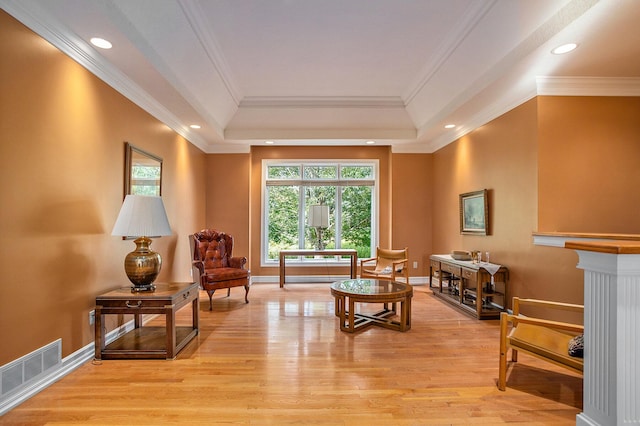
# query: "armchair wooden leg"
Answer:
x=229 y=292
x=210 y=293
x=246 y=294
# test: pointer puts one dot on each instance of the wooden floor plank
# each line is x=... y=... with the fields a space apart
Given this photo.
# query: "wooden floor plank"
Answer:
x=282 y=360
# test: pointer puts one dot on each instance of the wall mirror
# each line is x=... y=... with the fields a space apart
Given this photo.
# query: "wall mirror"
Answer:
x=143 y=172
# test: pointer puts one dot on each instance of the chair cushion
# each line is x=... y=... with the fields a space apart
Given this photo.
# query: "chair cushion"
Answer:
x=225 y=274
x=215 y=255
x=385 y=260
x=576 y=346
x=546 y=342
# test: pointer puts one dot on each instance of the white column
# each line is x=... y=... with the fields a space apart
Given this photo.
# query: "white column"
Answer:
x=612 y=332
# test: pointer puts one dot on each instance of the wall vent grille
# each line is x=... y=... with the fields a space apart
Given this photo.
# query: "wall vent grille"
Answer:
x=26 y=370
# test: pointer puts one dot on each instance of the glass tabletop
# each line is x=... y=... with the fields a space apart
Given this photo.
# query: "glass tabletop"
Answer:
x=369 y=286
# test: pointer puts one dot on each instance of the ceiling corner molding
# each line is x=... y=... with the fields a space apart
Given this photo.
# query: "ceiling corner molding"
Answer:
x=490 y=112
x=588 y=86
x=195 y=17
x=46 y=26
x=228 y=148
x=322 y=102
x=409 y=148
x=472 y=16
x=318 y=134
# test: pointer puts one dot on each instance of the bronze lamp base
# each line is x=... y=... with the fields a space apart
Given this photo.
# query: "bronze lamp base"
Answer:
x=142 y=265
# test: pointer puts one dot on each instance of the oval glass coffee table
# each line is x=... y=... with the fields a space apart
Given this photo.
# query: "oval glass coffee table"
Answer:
x=349 y=292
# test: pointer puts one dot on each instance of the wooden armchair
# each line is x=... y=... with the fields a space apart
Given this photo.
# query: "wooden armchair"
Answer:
x=542 y=338
x=214 y=266
x=388 y=264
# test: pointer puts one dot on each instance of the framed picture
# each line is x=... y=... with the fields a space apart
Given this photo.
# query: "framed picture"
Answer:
x=142 y=172
x=474 y=213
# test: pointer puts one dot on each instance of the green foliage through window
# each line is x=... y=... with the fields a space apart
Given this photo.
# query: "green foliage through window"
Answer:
x=348 y=190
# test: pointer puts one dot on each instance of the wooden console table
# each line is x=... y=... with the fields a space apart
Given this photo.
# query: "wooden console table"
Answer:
x=310 y=252
x=469 y=286
x=147 y=342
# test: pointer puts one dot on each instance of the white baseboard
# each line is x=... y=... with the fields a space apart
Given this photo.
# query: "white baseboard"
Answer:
x=26 y=390
x=312 y=279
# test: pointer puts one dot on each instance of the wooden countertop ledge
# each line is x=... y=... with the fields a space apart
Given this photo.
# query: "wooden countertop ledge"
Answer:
x=602 y=243
x=613 y=246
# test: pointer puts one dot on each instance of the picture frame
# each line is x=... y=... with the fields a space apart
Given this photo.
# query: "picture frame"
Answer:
x=474 y=213
x=142 y=172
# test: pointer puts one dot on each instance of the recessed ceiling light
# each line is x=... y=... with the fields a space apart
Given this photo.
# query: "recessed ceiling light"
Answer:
x=565 y=48
x=370 y=142
x=195 y=126
x=269 y=142
x=101 y=43
x=449 y=126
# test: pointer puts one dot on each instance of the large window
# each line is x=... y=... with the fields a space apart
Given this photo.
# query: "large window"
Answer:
x=348 y=188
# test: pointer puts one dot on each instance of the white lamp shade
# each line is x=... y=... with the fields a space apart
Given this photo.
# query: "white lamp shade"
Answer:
x=142 y=216
x=319 y=216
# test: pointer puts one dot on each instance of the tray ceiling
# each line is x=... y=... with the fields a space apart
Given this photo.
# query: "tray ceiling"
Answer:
x=335 y=72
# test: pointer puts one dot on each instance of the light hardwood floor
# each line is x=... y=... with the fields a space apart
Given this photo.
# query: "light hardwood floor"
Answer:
x=282 y=360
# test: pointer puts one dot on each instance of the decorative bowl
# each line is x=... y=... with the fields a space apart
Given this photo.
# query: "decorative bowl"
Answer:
x=461 y=255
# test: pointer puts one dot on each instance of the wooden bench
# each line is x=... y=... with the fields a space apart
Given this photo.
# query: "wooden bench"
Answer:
x=542 y=338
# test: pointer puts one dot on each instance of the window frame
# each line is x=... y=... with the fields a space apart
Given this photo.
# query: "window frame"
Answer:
x=338 y=182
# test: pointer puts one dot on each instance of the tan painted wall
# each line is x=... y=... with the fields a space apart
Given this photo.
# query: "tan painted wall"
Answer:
x=502 y=157
x=61 y=168
x=412 y=201
x=590 y=164
x=406 y=176
x=227 y=198
x=62 y=133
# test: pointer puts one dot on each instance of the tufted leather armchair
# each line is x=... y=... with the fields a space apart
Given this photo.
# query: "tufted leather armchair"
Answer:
x=214 y=264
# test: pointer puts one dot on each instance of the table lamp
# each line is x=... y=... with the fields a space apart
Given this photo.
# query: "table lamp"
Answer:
x=319 y=219
x=142 y=217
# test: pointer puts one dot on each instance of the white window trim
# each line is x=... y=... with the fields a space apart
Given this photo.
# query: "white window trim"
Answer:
x=264 y=242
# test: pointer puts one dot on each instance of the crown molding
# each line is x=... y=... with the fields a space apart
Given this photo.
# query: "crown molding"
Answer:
x=588 y=86
x=491 y=112
x=195 y=16
x=49 y=28
x=545 y=86
x=323 y=134
x=322 y=102
x=472 y=16
x=228 y=148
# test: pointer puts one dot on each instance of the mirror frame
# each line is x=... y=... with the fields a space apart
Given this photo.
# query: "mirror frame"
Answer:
x=132 y=153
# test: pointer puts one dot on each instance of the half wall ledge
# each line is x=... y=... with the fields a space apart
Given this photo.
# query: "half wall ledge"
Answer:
x=611 y=265
x=559 y=239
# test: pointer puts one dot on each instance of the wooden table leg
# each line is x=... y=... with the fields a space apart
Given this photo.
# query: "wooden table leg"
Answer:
x=405 y=314
x=352 y=314
x=282 y=268
x=99 y=333
x=343 y=312
x=137 y=320
x=339 y=305
x=354 y=266
x=170 y=316
x=195 y=315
